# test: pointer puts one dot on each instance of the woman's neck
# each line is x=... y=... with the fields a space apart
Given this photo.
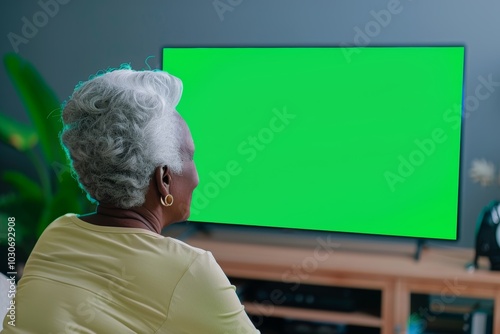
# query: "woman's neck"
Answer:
x=112 y=216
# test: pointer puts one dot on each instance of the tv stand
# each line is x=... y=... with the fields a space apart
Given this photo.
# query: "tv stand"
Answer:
x=420 y=245
x=398 y=278
x=191 y=229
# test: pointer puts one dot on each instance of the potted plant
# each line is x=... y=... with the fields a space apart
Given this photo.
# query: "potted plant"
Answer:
x=33 y=204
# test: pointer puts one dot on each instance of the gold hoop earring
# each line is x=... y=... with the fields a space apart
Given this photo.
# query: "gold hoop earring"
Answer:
x=168 y=201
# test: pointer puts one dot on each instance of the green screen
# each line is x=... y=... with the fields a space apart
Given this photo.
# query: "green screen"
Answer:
x=310 y=138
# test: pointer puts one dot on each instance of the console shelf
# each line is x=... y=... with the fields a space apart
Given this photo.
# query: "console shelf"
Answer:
x=388 y=268
x=354 y=318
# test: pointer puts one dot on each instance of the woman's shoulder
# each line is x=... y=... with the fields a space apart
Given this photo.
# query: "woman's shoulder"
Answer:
x=185 y=246
x=76 y=231
x=136 y=249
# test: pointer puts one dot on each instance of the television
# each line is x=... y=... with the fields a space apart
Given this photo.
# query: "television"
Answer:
x=358 y=140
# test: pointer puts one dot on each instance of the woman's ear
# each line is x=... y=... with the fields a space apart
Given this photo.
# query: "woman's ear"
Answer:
x=163 y=178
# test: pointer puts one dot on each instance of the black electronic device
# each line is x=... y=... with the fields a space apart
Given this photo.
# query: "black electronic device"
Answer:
x=311 y=297
x=488 y=235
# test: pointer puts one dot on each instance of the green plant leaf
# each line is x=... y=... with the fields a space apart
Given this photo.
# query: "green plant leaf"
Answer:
x=3 y=228
x=41 y=103
x=20 y=136
x=35 y=206
x=26 y=206
x=68 y=199
x=27 y=212
x=25 y=187
x=8 y=199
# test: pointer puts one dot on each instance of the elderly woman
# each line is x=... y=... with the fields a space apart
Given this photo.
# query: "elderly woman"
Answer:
x=112 y=271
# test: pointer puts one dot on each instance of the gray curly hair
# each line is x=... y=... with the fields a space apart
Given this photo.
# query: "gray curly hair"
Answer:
x=118 y=127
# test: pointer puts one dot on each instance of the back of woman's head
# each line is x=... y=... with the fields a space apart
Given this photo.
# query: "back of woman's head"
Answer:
x=118 y=127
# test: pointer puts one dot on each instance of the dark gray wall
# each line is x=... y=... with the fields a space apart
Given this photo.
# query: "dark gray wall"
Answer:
x=85 y=36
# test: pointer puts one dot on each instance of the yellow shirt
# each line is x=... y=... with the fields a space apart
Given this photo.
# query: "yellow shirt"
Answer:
x=84 y=278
